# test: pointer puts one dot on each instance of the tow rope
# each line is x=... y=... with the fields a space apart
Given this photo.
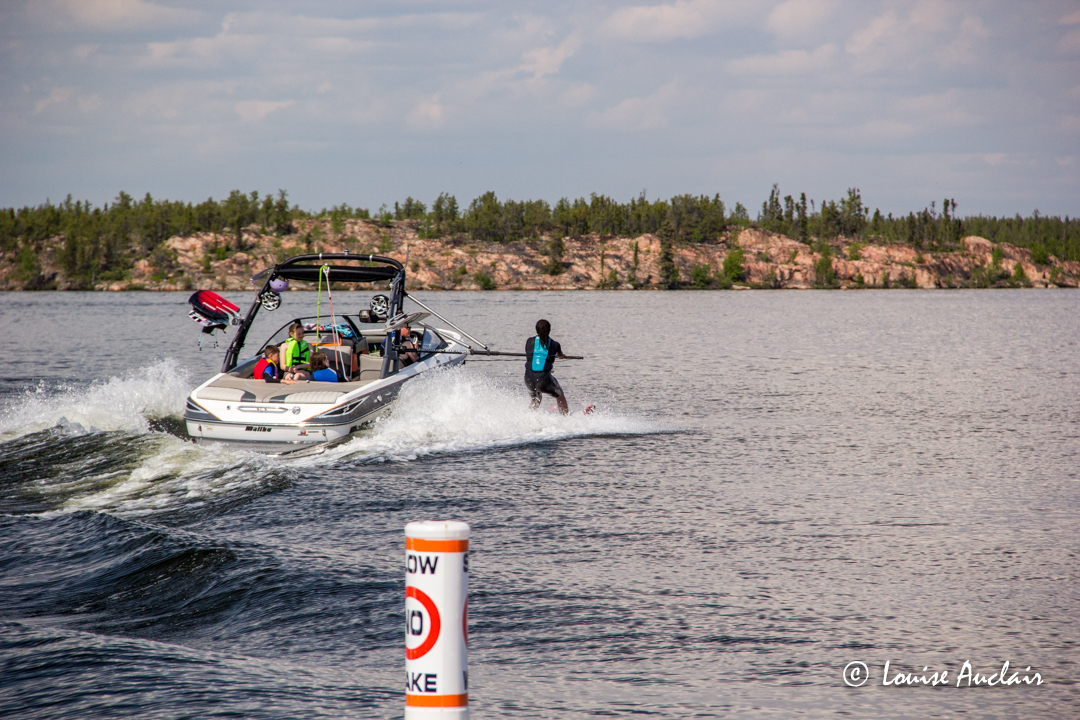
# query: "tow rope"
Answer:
x=325 y=270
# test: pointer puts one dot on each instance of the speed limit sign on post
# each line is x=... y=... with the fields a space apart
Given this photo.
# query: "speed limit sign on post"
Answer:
x=436 y=619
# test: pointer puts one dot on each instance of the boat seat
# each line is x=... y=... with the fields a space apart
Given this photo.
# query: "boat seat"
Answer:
x=236 y=389
x=340 y=359
x=370 y=368
x=226 y=393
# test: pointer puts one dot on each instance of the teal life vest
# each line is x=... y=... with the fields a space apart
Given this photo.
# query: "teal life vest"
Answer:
x=539 y=355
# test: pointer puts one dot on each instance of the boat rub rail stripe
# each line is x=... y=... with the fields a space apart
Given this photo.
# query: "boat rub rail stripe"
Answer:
x=421 y=545
x=437 y=700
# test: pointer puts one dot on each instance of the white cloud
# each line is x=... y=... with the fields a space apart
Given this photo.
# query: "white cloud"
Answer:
x=886 y=130
x=83 y=52
x=963 y=50
x=284 y=19
x=529 y=76
x=578 y=94
x=548 y=60
x=878 y=29
x=337 y=45
x=930 y=15
x=639 y=113
x=207 y=101
x=1071 y=42
x=785 y=62
x=89 y=103
x=57 y=96
x=683 y=19
x=793 y=19
x=201 y=52
x=932 y=33
x=107 y=15
x=256 y=110
x=936 y=110
x=427 y=114
x=847 y=82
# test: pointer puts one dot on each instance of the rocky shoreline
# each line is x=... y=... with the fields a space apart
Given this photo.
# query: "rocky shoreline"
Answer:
x=212 y=261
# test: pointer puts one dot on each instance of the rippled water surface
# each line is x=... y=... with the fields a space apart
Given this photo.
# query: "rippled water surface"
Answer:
x=776 y=484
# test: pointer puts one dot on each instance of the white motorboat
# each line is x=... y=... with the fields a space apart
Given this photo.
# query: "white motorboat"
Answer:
x=235 y=407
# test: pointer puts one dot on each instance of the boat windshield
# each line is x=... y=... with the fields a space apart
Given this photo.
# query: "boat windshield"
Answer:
x=347 y=330
x=343 y=327
x=431 y=341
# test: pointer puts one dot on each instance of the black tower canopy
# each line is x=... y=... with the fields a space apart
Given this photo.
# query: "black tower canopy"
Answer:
x=307 y=267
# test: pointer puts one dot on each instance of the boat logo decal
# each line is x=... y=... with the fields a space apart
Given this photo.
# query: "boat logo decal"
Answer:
x=256 y=428
x=295 y=409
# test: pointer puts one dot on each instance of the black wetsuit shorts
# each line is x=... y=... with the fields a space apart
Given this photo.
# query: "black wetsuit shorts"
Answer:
x=539 y=383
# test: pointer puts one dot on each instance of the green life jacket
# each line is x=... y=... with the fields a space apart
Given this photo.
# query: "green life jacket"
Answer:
x=296 y=353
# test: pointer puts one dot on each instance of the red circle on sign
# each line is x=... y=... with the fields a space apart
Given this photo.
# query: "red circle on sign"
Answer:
x=433 y=634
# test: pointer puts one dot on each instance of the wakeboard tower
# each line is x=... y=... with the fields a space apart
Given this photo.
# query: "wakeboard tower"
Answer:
x=364 y=349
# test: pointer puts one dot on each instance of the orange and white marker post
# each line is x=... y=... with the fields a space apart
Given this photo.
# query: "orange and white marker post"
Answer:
x=436 y=619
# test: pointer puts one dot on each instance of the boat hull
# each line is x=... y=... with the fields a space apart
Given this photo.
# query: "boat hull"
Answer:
x=275 y=438
x=240 y=419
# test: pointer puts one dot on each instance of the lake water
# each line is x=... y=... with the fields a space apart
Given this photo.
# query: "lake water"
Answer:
x=776 y=484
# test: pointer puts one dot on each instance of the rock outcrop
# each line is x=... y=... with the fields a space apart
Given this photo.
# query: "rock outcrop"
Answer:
x=211 y=261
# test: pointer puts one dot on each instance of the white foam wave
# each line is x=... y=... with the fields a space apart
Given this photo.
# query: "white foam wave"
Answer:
x=449 y=412
x=125 y=403
x=462 y=410
x=177 y=475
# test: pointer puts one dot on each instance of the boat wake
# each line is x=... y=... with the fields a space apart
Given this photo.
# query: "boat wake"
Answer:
x=461 y=410
x=129 y=403
x=119 y=446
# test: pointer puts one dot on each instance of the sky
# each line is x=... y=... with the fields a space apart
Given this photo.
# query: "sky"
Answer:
x=366 y=103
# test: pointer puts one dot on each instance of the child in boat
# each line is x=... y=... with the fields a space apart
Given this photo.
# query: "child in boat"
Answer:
x=294 y=355
x=320 y=369
x=267 y=367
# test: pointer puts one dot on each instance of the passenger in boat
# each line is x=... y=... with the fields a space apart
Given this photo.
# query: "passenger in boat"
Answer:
x=295 y=354
x=320 y=369
x=267 y=367
x=540 y=353
x=256 y=374
x=408 y=352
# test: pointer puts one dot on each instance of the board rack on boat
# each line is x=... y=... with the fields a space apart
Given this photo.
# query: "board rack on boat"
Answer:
x=364 y=350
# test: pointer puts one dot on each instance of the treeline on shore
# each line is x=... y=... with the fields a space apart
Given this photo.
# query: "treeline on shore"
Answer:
x=100 y=243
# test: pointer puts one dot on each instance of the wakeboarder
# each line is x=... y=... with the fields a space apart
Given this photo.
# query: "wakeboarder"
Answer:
x=540 y=353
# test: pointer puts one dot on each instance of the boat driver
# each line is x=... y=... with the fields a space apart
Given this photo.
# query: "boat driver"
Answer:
x=540 y=353
x=408 y=352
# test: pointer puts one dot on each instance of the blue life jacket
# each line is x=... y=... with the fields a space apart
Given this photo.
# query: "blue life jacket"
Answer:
x=540 y=355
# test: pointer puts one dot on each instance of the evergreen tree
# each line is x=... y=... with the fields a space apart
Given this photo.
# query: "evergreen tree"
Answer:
x=669 y=272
